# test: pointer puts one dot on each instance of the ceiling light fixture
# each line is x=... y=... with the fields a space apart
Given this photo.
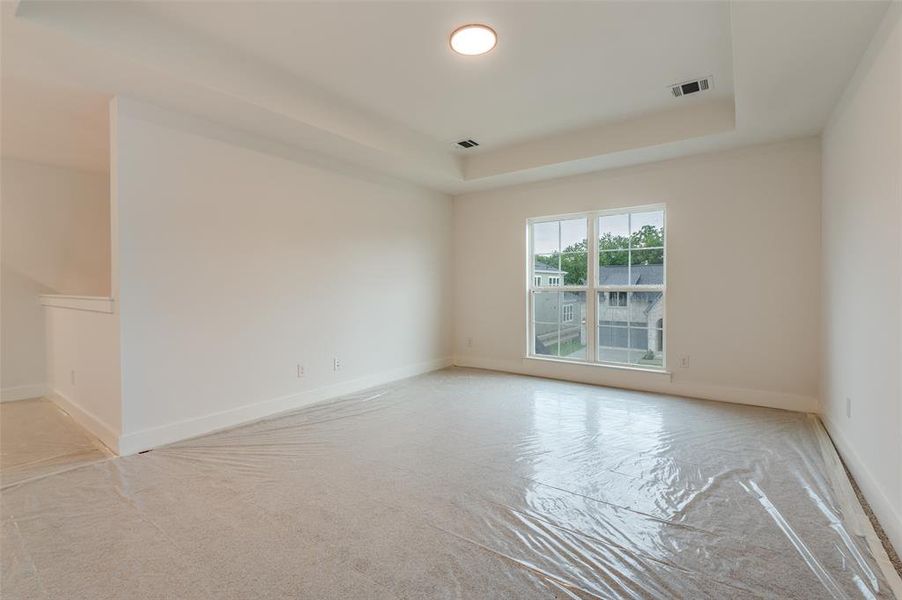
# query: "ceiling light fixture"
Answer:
x=474 y=39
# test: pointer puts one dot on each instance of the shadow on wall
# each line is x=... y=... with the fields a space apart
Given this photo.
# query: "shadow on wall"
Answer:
x=22 y=353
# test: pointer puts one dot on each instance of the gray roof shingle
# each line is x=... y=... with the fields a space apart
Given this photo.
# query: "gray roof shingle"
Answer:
x=539 y=267
x=640 y=275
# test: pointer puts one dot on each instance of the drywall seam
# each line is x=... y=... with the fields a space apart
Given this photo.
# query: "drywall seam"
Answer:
x=648 y=382
x=889 y=516
x=23 y=392
x=145 y=439
x=101 y=430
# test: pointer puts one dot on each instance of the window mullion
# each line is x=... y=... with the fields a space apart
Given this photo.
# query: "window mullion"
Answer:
x=530 y=292
x=592 y=291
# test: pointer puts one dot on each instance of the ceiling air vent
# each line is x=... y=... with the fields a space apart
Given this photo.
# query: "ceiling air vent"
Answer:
x=691 y=87
x=467 y=143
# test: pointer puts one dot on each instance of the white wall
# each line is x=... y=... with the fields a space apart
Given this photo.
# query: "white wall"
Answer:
x=83 y=368
x=235 y=265
x=862 y=240
x=55 y=239
x=743 y=297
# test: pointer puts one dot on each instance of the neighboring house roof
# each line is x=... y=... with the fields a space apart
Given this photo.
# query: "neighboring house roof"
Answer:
x=640 y=275
x=657 y=301
x=540 y=268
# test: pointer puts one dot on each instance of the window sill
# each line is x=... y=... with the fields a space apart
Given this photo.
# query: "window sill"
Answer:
x=561 y=361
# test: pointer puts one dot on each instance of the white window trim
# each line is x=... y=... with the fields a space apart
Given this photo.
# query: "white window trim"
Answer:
x=592 y=288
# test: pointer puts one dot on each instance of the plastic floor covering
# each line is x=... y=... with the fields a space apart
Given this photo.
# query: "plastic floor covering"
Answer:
x=37 y=439
x=458 y=484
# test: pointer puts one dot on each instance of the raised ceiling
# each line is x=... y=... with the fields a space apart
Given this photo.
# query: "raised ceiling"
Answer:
x=557 y=67
x=571 y=87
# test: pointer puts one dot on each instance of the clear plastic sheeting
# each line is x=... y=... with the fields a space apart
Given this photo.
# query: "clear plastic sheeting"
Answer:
x=37 y=438
x=459 y=484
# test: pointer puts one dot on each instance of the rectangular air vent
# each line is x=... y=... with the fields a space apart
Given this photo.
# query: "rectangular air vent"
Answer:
x=467 y=143
x=691 y=87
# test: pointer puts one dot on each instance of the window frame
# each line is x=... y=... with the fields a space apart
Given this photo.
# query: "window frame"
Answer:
x=592 y=287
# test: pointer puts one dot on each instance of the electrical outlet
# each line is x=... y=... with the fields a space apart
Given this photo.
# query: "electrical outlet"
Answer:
x=72 y=377
x=336 y=364
x=300 y=370
x=469 y=342
x=848 y=408
x=684 y=362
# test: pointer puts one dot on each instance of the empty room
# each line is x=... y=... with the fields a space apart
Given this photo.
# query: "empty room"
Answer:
x=450 y=299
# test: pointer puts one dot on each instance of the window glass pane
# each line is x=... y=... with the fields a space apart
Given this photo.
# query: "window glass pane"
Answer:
x=654 y=314
x=573 y=265
x=613 y=309
x=647 y=229
x=613 y=336
x=546 y=317
x=573 y=235
x=631 y=328
x=613 y=232
x=647 y=329
x=547 y=307
x=646 y=358
x=554 y=267
x=546 y=269
x=559 y=324
x=645 y=308
x=573 y=331
x=653 y=355
x=613 y=354
x=638 y=337
x=613 y=267
x=647 y=266
x=546 y=237
x=548 y=262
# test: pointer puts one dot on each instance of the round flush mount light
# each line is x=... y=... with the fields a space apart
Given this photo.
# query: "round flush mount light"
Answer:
x=474 y=39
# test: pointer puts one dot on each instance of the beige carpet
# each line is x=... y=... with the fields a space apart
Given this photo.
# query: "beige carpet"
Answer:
x=459 y=484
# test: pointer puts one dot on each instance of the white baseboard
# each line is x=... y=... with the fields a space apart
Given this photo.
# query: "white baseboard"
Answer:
x=154 y=437
x=101 y=430
x=887 y=513
x=642 y=381
x=23 y=392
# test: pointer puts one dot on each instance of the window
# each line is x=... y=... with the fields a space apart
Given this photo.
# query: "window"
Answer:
x=616 y=298
x=567 y=313
x=559 y=251
x=612 y=313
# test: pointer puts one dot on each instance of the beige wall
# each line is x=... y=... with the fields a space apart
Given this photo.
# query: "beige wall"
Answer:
x=743 y=298
x=235 y=265
x=862 y=233
x=55 y=239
